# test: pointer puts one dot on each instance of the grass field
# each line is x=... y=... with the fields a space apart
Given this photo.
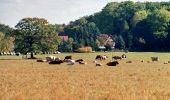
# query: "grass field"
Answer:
x=30 y=80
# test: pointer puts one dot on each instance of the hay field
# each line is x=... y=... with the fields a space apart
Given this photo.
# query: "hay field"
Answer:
x=30 y=80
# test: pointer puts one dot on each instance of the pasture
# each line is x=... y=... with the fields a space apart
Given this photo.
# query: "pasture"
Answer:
x=30 y=80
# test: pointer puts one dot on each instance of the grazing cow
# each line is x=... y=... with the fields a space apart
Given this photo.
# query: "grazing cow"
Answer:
x=123 y=56
x=117 y=57
x=113 y=63
x=154 y=59
x=68 y=57
x=56 y=62
x=79 y=60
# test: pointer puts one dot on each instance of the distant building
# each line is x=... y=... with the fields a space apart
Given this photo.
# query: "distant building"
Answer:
x=63 y=38
x=108 y=41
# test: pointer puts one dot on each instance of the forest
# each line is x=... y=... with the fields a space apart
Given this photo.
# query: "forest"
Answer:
x=133 y=26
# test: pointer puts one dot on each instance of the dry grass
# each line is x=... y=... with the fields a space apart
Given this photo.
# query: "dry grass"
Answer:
x=29 y=80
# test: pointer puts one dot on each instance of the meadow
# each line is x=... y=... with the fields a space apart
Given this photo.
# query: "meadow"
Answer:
x=22 y=79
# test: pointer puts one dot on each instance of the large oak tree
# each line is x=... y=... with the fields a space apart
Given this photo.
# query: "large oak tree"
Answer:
x=34 y=35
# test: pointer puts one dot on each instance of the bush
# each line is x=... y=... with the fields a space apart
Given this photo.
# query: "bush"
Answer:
x=85 y=50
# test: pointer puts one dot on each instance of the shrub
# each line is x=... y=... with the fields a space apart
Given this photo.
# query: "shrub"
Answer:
x=85 y=49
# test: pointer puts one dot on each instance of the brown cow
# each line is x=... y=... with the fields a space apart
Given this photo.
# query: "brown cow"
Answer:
x=113 y=63
x=79 y=60
x=56 y=62
x=155 y=59
x=68 y=57
x=116 y=57
x=100 y=57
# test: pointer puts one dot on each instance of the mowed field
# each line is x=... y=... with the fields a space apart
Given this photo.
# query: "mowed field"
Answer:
x=30 y=80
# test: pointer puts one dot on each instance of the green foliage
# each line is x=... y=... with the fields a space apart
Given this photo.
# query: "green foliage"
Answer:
x=132 y=25
x=35 y=35
x=6 y=30
x=6 y=43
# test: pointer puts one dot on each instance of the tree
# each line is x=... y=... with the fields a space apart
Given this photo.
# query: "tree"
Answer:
x=83 y=32
x=6 y=29
x=120 y=43
x=66 y=46
x=34 y=35
x=138 y=16
x=6 y=43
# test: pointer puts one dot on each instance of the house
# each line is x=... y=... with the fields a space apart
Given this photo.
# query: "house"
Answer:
x=108 y=41
x=63 y=38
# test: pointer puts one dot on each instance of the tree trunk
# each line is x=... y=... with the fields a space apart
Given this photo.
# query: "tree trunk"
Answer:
x=32 y=56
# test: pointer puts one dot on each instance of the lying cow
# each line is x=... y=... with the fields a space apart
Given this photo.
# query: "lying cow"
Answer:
x=56 y=62
x=100 y=57
x=67 y=58
x=154 y=59
x=98 y=64
x=50 y=58
x=40 y=60
x=82 y=62
x=113 y=63
x=117 y=57
x=79 y=60
x=71 y=62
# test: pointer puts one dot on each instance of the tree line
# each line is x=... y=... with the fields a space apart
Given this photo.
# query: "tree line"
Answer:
x=136 y=26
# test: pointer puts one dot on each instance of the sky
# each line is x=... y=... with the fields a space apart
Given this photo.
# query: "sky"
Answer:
x=55 y=11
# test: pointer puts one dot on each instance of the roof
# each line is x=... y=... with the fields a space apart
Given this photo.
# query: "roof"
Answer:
x=64 y=38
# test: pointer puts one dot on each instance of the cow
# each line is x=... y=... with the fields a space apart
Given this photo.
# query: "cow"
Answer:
x=129 y=62
x=104 y=57
x=123 y=56
x=40 y=60
x=97 y=64
x=56 y=62
x=57 y=58
x=100 y=57
x=67 y=58
x=71 y=62
x=113 y=63
x=79 y=60
x=50 y=58
x=117 y=57
x=165 y=62
x=82 y=62
x=154 y=59
x=94 y=61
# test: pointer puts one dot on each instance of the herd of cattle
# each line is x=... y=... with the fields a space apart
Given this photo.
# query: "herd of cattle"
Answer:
x=70 y=61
